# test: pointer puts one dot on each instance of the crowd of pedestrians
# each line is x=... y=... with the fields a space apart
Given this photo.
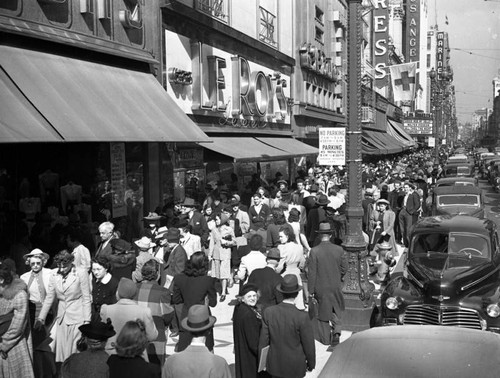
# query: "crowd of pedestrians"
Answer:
x=109 y=310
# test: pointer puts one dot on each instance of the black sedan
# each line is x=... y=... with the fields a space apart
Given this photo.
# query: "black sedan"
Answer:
x=451 y=276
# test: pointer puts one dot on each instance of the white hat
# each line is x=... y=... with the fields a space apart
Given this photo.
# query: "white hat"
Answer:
x=144 y=243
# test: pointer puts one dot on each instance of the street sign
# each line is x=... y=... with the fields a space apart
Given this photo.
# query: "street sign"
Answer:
x=332 y=146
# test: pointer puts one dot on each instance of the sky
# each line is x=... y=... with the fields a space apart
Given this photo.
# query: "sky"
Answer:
x=474 y=37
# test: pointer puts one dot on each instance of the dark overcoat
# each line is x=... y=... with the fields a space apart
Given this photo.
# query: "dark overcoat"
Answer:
x=246 y=331
x=326 y=267
x=289 y=334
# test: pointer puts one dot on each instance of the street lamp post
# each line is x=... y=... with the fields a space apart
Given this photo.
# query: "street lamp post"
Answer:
x=357 y=289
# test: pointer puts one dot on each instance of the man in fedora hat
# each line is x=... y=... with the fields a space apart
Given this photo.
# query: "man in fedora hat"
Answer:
x=196 y=220
x=267 y=280
x=196 y=360
x=327 y=266
x=289 y=334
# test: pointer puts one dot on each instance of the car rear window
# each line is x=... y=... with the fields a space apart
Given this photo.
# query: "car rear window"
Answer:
x=458 y=200
x=452 y=243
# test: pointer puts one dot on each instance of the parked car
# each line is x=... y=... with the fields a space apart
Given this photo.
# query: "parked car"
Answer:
x=451 y=276
x=455 y=200
x=416 y=351
x=456 y=181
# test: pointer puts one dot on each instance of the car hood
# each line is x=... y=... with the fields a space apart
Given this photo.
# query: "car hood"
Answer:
x=449 y=274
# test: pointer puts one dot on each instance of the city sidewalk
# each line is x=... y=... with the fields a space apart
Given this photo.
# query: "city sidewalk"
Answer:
x=223 y=334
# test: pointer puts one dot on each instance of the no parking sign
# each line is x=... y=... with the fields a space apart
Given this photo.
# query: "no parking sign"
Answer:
x=331 y=146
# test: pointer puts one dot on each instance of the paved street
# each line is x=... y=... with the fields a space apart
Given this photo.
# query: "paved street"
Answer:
x=224 y=336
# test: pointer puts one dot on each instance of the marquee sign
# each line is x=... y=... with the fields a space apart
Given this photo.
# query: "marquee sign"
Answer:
x=412 y=31
x=381 y=32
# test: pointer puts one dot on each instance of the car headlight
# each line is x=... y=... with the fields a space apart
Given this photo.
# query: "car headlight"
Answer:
x=392 y=303
x=493 y=310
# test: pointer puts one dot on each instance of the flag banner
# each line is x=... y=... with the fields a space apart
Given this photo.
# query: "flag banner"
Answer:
x=403 y=78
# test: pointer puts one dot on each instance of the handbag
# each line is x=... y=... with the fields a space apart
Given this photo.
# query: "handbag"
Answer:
x=313 y=307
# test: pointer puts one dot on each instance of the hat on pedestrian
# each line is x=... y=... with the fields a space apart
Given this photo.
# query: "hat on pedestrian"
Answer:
x=127 y=289
x=97 y=330
x=234 y=202
x=189 y=202
x=36 y=253
x=144 y=243
x=324 y=228
x=274 y=254
x=162 y=232
x=314 y=188
x=120 y=245
x=247 y=288
x=369 y=192
x=322 y=200
x=279 y=182
x=173 y=235
x=289 y=285
x=198 y=319
x=384 y=201
x=152 y=217
x=237 y=197
x=298 y=181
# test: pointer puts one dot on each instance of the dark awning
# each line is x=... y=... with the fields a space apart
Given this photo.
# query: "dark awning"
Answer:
x=81 y=101
x=385 y=143
x=246 y=149
x=290 y=145
x=396 y=130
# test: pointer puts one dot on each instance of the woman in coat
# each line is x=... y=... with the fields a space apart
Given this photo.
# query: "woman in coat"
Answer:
x=382 y=230
x=104 y=286
x=191 y=287
x=70 y=285
x=292 y=259
x=247 y=322
x=15 y=340
x=157 y=298
x=222 y=238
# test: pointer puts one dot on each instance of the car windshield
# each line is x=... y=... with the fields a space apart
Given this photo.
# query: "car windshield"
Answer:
x=458 y=200
x=453 y=243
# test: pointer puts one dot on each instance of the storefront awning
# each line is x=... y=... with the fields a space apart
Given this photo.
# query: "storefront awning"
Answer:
x=246 y=149
x=383 y=142
x=396 y=130
x=74 y=100
x=290 y=145
x=19 y=120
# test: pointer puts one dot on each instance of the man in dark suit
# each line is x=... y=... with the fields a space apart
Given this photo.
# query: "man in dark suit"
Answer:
x=196 y=220
x=316 y=215
x=326 y=267
x=267 y=279
x=106 y=233
x=289 y=334
x=395 y=199
x=409 y=211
